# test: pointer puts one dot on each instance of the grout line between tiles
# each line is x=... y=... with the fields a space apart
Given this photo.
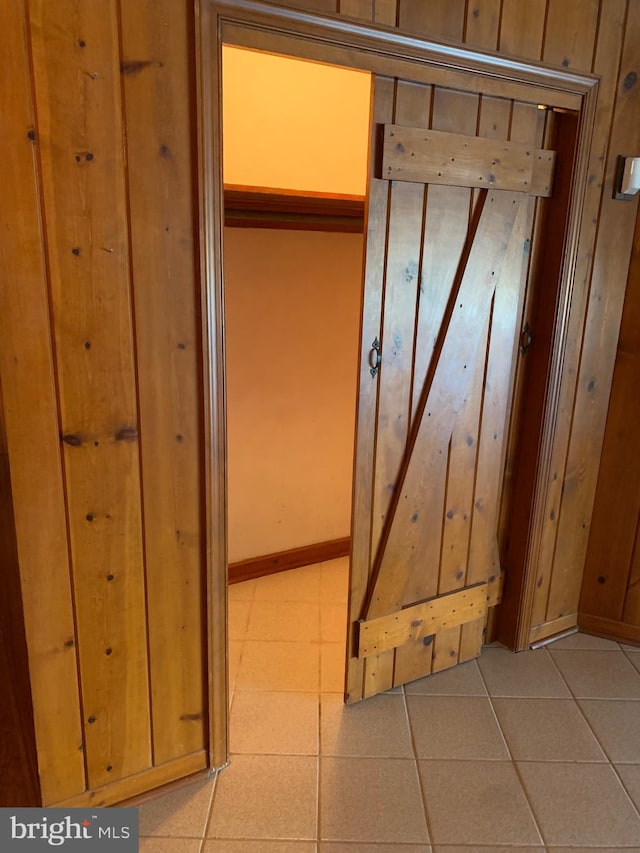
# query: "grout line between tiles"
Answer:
x=319 y=754
x=592 y=730
x=514 y=764
x=576 y=701
x=627 y=653
x=205 y=831
x=497 y=720
x=423 y=795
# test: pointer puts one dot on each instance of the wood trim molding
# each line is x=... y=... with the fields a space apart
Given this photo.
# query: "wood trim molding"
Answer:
x=211 y=214
x=609 y=628
x=391 y=51
x=574 y=245
x=380 y=50
x=262 y=207
x=294 y=558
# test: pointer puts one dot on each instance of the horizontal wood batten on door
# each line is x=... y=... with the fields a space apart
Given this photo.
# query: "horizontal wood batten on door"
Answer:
x=263 y=207
x=421 y=620
x=456 y=159
x=295 y=558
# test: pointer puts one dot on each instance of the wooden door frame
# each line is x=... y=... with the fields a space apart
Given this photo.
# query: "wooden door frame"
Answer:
x=391 y=52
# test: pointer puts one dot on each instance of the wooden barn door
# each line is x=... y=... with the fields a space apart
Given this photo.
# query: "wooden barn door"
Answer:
x=452 y=196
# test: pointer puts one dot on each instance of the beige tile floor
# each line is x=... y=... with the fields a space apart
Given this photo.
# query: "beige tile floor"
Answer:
x=533 y=752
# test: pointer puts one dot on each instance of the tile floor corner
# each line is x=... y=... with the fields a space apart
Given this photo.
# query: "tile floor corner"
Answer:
x=531 y=753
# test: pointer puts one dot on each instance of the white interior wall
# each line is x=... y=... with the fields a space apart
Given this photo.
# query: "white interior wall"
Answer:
x=294 y=124
x=292 y=303
x=292 y=328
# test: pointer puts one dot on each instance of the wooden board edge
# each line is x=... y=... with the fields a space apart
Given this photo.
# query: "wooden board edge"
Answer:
x=139 y=783
x=495 y=588
x=610 y=629
x=293 y=222
x=240 y=197
x=294 y=558
x=548 y=629
x=261 y=207
x=423 y=156
x=208 y=63
x=252 y=24
x=161 y=791
x=421 y=620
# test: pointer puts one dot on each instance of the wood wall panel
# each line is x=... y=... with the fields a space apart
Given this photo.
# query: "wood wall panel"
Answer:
x=440 y=19
x=362 y=9
x=522 y=28
x=157 y=40
x=610 y=585
x=611 y=263
x=31 y=422
x=385 y=12
x=99 y=266
x=95 y=205
x=584 y=408
x=483 y=23
x=612 y=539
x=77 y=83
x=570 y=32
x=323 y=7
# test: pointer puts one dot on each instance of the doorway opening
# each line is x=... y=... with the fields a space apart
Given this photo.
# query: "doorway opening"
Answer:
x=293 y=250
x=431 y=67
x=292 y=283
x=288 y=413
x=508 y=104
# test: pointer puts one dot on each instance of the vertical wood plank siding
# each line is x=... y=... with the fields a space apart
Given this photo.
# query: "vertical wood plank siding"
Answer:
x=483 y=24
x=100 y=366
x=454 y=112
x=610 y=600
x=31 y=422
x=157 y=40
x=363 y=493
x=84 y=195
x=99 y=351
x=584 y=408
x=614 y=241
